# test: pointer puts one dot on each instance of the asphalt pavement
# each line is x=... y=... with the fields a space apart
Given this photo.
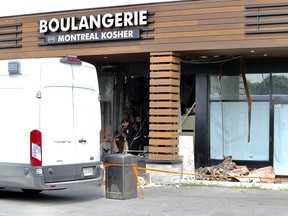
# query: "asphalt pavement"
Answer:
x=168 y=200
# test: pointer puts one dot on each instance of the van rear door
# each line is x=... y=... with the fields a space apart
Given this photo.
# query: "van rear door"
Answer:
x=86 y=115
x=56 y=122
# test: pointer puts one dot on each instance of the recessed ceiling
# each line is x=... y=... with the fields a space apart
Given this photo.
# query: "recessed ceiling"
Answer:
x=117 y=58
x=145 y=57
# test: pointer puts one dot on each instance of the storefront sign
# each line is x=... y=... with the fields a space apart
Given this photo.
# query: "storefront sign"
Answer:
x=118 y=26
x=92 y=36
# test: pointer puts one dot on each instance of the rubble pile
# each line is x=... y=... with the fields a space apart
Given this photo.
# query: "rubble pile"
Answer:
x=229 y=171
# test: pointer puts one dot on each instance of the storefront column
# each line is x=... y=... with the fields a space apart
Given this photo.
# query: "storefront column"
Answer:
x=164 y=106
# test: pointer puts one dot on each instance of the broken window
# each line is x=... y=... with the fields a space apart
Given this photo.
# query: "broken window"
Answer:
x=228 y=117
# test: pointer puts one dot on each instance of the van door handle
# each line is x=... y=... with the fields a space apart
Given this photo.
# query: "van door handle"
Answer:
x=82 y=141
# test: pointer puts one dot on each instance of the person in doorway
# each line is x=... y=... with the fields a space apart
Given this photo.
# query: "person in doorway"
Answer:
x=130 y=131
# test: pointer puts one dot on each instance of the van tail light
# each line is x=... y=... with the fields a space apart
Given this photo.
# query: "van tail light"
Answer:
x=35 y=148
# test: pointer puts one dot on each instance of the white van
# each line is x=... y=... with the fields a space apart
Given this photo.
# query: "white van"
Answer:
x=49 y=124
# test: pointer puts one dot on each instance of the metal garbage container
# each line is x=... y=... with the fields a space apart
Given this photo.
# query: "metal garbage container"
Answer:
x=120 y=178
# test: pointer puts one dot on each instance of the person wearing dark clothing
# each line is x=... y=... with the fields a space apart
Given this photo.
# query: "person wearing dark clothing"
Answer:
x=132 y=134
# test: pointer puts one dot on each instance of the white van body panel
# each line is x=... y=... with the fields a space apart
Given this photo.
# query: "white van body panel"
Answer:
x=18 y=108
x=61 y=101
x=12 y=131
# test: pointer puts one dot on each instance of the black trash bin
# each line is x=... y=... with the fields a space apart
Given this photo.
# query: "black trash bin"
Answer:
x=120 y=178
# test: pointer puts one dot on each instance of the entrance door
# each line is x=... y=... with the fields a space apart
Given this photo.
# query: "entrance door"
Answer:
x=280 y=157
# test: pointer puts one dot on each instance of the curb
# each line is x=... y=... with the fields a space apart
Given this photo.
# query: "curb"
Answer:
x=266 y=186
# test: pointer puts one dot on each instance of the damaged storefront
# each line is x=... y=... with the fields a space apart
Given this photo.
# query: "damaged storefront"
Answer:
x=242 y=100
x=203 y=80
x=124 y=91
x=245 y=104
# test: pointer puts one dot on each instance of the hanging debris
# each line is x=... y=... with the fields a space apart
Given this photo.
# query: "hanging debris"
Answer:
x=248 y=97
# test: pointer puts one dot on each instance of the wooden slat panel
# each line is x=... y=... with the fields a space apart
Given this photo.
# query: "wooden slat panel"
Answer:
x=163 y=157
x=268 y=19
x=165 y=74
x=195 y=40
x=158 y=54
x=163 y=126
x=204 y=4
x=216 y=27
x=164 y=97
x=162 y=59
x=157 y=67
x=175 y=23
x=202 y=18
x=189 y=40
x=168 y=104
x=169 y=89
x=179 y=18
x=160 y=119
x=169 y=100
x=214 y=10
x=217 y=38
x=209 y=9
x=163 y=149
x=171 y=112
x=164 y=134
x=158 y=142
x=207 y=33
x=174 y=82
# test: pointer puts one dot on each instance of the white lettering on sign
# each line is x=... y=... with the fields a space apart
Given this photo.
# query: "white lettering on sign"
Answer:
x=117 y=34
x=53 y=25
x=91 y=22
x=78 y=37
x=43 y=26
x=64 y=25
x=118 y=20
x=128 y=19
x=143 y=16
x=74 y=26
x=93 y=36
x=95 y=21
x=107 y=20
x=84 y=23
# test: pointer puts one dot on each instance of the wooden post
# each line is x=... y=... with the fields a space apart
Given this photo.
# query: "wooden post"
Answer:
x=164 y=106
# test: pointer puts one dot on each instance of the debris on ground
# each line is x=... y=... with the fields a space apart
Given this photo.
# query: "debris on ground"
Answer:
x=141 y=181
x=230 y=171
x=263 y=175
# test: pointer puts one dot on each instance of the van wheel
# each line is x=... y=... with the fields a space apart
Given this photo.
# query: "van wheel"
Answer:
x=31 y=192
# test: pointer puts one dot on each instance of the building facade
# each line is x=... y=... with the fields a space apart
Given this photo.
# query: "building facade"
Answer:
x=229 y=58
